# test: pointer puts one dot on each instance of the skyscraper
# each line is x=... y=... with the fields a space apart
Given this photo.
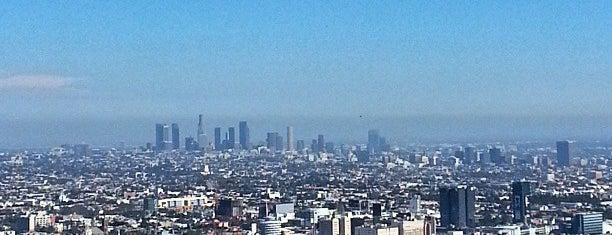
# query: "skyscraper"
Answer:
x=563 y=153
x=162 y=137
x=175 y=136
x=243 y=135
x=373 y=141
x=201 y=135
x=159 y=136
x=321 y=143
x=279 y=143
x=218 y=146
x=469 y=155
x=520 y=190
x=457 y=206
x=290 y=145
x=271 y=139
x=231 y=140
x=495 y=155
x=300 y=145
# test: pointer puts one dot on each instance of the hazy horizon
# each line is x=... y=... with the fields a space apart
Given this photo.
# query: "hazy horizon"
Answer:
x=110 y=132
x=539 y=69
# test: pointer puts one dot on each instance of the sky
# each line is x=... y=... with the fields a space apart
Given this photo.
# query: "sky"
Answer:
x=64 y=62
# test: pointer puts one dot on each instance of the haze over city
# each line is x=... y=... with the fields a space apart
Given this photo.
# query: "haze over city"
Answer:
x=105 y=72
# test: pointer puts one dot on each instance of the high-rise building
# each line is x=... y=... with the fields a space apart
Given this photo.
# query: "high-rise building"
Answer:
x=373 y=141
x=457 y=206
x=243 y=135
x=469 y=155
x=175 y=136
x=520 y=190
x=271 y=139
x=279 y=143
x=290 y=143
x=300 y=145
x=314 y=147
x=587 y=223
x=563 y=153
x=162 y=134
x=231 y=140
x=321 y=143
x=495 y=155
x=201 y=135
x=218 y=145
x=159 y=136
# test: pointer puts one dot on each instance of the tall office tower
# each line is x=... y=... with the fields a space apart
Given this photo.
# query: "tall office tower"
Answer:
x=167 y=142
x=563 y=153
x=231 y=140
x=279 y=143
x=175 y=136
x=520 y=190
x=290 y=145
x=218 y=145
x=321 y=143
x=469 y=155
x=243 y=135
x=159 y=136
x=495 y=155
x=373 y=141
x=457 y=206
x=202 y=140
x=314 y=146
x=300 y=145
x=271 y=139
x=587 y=223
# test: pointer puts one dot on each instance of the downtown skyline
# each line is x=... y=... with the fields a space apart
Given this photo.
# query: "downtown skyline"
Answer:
x=103 y=72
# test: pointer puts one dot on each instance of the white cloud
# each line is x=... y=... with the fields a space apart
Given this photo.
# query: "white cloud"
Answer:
x=33 y=82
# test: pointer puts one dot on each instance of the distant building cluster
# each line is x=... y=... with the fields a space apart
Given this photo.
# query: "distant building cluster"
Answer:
x=231 y=184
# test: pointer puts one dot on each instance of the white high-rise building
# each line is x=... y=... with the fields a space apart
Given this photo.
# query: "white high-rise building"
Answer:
x=290 y=141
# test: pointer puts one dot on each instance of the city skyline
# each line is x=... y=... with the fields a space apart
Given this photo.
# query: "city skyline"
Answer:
x=305 y=117
x=529 y=69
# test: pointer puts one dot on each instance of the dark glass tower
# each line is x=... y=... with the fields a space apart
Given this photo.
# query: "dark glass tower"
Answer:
x=563 y=153
x=457 y=207
x=495 y=155
x=520 y=190
x=218 y=139
x=271 y=139
x=243 y=135
x=373 y=141
x=159 y=136
x=231 y=138
x=321 y=143
x=175 y=136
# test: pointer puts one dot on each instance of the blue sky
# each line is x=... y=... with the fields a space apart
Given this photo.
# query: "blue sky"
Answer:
x=91 y=59
x=390 y=58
